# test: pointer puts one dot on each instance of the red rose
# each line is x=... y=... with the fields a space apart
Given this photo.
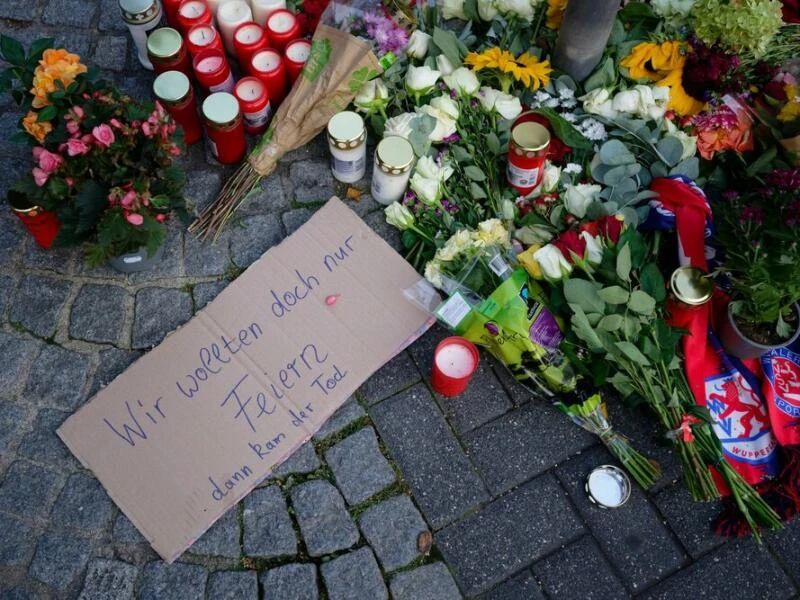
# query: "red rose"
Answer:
x=791 y=11
x=571 y=244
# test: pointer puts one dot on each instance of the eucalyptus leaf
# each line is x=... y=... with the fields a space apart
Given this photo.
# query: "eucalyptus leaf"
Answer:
x=614 y=153
x=604 y=76
x=475 y=173
x=658 y=169
x=631 y=216
x=642 y=303
x=593 y=318
x=670 y=149
x=689 y=168
x=614 y=295
x=611 y=323
x=616 y=175
x=447 y=42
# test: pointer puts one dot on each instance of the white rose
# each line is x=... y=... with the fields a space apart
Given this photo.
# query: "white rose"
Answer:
x=453 y=9
x=689 y=142
x=594 y=249
x=552 y=174
x=552 y=262
x=398 y=216
x=626 y=101
x=447 y=105
x=464 y=81
x=433 y=273
x=373 y=96
x=487 y=10
x=508 y=106
x=445 y=125
x=428 y=190
x=660 y=94
x=521 y=8
x=418 y=44
x=421 y=79
x=487 y=97
x=399 y=125
x=428 y=168
x=598 y=102
x=577 y=198
x=444 y=65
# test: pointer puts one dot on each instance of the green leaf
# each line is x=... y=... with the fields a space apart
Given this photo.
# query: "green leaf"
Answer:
x=617 y=175
x=564 y=130
x=642 y=303
x=652 y=282
x=763 y=163
x=632 y=327
x=688 y=168
x=476 y=191
x=447 y=42
x=91 y=203
x=615 y=153
x=658 y=169
x=409 y=238
x=624 y=263
x=633 y=353
x=475 y=173
x=493 y=143
x=471 y=11
x=583 y=293
x=670 y=149
x=614 y=295
x=39 y=46
x=48 y=113
x=460 y=153
x=12 y=51
x=584 y=331
x=622 y=383
x=611 y=323
x=604 y=76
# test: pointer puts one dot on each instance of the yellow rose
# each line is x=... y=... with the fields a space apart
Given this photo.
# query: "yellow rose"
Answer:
x=52 y=56
x=36 y=129
x=530 y=264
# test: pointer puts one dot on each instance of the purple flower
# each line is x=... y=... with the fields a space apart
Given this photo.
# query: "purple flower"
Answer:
x=452 y=138
x=753 y=214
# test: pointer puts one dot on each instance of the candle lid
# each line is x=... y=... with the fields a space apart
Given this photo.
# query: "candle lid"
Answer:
x=691 y=286
x=530 y=136
x=298 y=50
x=266 y=61
x=281 y=21
x=137 y=12
x=171 y=86
x=221 y=108
x=346 y=130
x=608 y=486
x=135 y=6
x=164 y=42
x=246 y=26
x=394 y=155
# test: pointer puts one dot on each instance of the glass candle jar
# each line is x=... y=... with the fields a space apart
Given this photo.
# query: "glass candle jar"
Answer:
x=394 y=158
x=193 y=12
x=203 y=37
x=527 y=151
x=268 y=66
x=347 y=141
x=296 y=55
x=167 y=52
x=141 y=17
x=282 y=28
x=174 y=91
x=254 y=102
x=248 y=39
x=230 y=15
x=213 y=72
x=225 y=127
x=170 y=8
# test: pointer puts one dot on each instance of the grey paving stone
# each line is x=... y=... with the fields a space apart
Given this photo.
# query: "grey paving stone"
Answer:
x=520 y=587
x=7 y=285
x=177 y=581
x=741 y=570
x=316 y=148
x=18 y=10
x=204 y=258
x=222 y=538
x=519 y=393
x=138 y=82
x=18 y=351
x=313 y=180
x=398 y=374
x=519 y=445
x=579 y=571
x=201 y=189
x=74 y=13
x=232 y=585
x=109 y=17
x=304 y=460
x=422 y=350
x=429 y=582
x=59 y=559
x=58 y=377
x=27 y=490
x=42 y=443
x=269 y=199
x=444 y=484
x=296 y=581
x=98 y=313
x=59 y=260
x=13 y=422
x=691 y=521
x=508 y=534
x=38 y=302
x=293 y=219
x=324 y=522
x=204 y=293
x=365 y=204
x=354 y=576
x=113 y=362
x=158 y=312
x=392 y=528
x=83 y=503
x=268 y=530
x=111 y=52
x=16 y=541
x=254 y=236
x=391 y=235
x=360 y=469
x=20 y=593
x=350 y=412
x=124 y=531
x=786 y=544
x=632 y=536
x=11 y=234
x=108 y=580
x=171 y=252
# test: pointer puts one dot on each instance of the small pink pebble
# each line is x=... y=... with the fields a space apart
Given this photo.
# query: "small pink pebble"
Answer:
x=331 y=300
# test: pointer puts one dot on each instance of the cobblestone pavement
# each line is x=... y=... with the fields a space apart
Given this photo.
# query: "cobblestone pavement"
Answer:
x=496 y=478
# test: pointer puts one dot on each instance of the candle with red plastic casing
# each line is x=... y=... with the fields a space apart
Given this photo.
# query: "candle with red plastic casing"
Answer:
x=296 y=55
x=167 y=52
x=230 y=15
x=248 y=39
x=268 y=66
x=527 y=151
x=455 y=360
x=225 y=127
x=193 y=12
x=282 y=28
x=203 y=37
x=213 y=71
x=252 y=96
x=170 y=8
x=174 y=90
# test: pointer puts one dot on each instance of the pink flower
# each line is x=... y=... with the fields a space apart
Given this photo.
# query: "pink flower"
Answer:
x=174 y=150
x=161 y=217
x=78 y=111
x=73 y=128
x=104 y=135
x=134 y=219
x=128 y=199
x=76 y=147
x=48 y=162
x=69 y=181
x=39 y=176
x=146 y=129
x=116 y=123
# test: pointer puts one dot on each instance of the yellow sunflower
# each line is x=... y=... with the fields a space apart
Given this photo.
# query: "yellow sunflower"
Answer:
x=791 y=110
x=679 y=100
x=491 y=58
x=652 y=61
x=555 y=13
x=533 y=73
x=526 y=69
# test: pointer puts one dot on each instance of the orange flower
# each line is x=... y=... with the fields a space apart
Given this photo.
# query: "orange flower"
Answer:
x=38 y=130
x=55 y=65
x=723 y=130
x=555 y=13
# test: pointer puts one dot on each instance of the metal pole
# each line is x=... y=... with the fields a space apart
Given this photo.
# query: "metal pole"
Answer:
x=583 y=36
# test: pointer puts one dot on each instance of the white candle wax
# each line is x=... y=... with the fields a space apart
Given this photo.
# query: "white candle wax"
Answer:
x=229 y=16
x=298 y=51
x=201 y=36
x=192 y=10
x=250 y=90
x=209 y=65
x=249 y=34
x=266 y=61
x=281 y=23
x=455 y=361
x=262 y=9
x=213 y=5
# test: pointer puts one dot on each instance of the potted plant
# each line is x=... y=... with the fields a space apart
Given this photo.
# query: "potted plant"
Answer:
x=760 y=264
x=104 y=162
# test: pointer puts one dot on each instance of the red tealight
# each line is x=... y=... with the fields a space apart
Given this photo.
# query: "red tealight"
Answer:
x=203 y=37
x=254 y=102
x=248 y=39
x=296 y=55
x=212 y=71
x=171 y=12
x=193 y=12
x=267 y=65
x=455 y=360
x=282 y=28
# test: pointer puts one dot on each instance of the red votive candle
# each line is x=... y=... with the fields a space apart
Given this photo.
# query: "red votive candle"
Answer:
x=455 y=360
x=167 y=52
x=203 y=37
x=42 y=224
x=174 y=90
x=296 y=55
x=171 y=12
x=224 y=127
x=527 y=151
x=267 y=65
x=282 y=28
x=193 y=12
x=254 y=102
x=248 y=39
x=213 y=71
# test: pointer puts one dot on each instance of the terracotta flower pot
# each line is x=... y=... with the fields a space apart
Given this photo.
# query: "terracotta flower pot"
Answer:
x=739 y=345
x=133 y=262
x=43 y=225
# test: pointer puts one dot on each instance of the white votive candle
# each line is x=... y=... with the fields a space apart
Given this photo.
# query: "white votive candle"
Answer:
x=229 y=16
x=455 y=361
x=262 y=9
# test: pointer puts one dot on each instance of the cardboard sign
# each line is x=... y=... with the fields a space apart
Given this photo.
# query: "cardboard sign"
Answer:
x=193 y=426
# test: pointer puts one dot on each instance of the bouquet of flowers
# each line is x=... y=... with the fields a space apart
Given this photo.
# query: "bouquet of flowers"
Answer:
x=104 y=163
